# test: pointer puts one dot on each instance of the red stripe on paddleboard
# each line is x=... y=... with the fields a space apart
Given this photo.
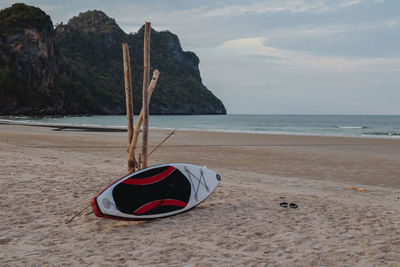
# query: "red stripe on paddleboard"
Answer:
x=149 y=180
x=95 y=208
x=162 y=202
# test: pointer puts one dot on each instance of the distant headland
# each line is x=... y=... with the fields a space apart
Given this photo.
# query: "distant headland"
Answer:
x=76 y=68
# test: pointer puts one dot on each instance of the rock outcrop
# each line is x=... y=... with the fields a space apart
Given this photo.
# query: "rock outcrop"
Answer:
x=27 y=63
x=76 y=68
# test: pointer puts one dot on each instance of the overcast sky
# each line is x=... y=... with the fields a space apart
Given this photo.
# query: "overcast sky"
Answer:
x=275 y=56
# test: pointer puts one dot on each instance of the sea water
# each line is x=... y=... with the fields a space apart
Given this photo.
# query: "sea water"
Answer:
x=324 y=125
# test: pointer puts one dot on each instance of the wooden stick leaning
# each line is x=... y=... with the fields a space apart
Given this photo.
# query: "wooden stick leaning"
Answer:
x=162 y=142
x=132 y=147
x=79 y=213
x=145 y=103
x=154 y=149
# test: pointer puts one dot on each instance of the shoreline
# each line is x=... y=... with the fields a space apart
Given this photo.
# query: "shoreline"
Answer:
x=284 y=153
x=104 y=128
x=64 y=126
x=50 y=175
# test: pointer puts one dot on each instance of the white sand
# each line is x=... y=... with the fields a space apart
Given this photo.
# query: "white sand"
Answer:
x=46 y=176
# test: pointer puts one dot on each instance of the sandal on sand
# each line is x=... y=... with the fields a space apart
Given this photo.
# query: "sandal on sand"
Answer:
x=283 y=204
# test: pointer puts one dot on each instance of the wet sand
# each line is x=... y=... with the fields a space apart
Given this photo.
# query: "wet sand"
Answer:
x=46 y=176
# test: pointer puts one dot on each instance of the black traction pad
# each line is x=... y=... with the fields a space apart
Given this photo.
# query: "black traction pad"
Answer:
x=156 y=191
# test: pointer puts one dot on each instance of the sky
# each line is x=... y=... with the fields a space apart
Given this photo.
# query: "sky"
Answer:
x=275 y=56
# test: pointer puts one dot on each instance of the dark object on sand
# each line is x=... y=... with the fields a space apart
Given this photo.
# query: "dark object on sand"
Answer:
x=285 y=205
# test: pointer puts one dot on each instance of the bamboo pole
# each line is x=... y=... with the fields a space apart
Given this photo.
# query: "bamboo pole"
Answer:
x=132 y=147
x=145 y=103
x=129 y=102
x=128 y=90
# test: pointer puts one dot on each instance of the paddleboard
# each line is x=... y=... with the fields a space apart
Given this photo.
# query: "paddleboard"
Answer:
x=155 y=192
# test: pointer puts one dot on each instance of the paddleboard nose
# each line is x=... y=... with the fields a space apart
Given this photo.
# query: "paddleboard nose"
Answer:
x=95 y=207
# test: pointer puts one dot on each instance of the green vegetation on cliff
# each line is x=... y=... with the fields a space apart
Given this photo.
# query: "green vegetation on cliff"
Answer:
x=22 y=16
x=90 y=64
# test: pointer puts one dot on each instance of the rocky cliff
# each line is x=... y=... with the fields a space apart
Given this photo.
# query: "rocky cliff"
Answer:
x=76 y=68
x=27 y=63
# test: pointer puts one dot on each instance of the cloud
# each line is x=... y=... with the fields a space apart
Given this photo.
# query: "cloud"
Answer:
x=275 y=6
x=311 y=30
x=166 y=14
x=162 y=14
x=307 y=61
x=392 y=22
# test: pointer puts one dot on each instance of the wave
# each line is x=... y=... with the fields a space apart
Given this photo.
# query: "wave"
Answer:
x=383 y=133
x=351 y=127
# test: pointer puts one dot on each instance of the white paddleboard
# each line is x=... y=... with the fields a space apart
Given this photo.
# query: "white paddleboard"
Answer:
x=155 y=192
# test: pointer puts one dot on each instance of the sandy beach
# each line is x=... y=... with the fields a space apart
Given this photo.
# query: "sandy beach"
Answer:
x=46 y=176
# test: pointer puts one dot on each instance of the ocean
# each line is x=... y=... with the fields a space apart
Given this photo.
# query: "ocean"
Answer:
x=321 y=125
